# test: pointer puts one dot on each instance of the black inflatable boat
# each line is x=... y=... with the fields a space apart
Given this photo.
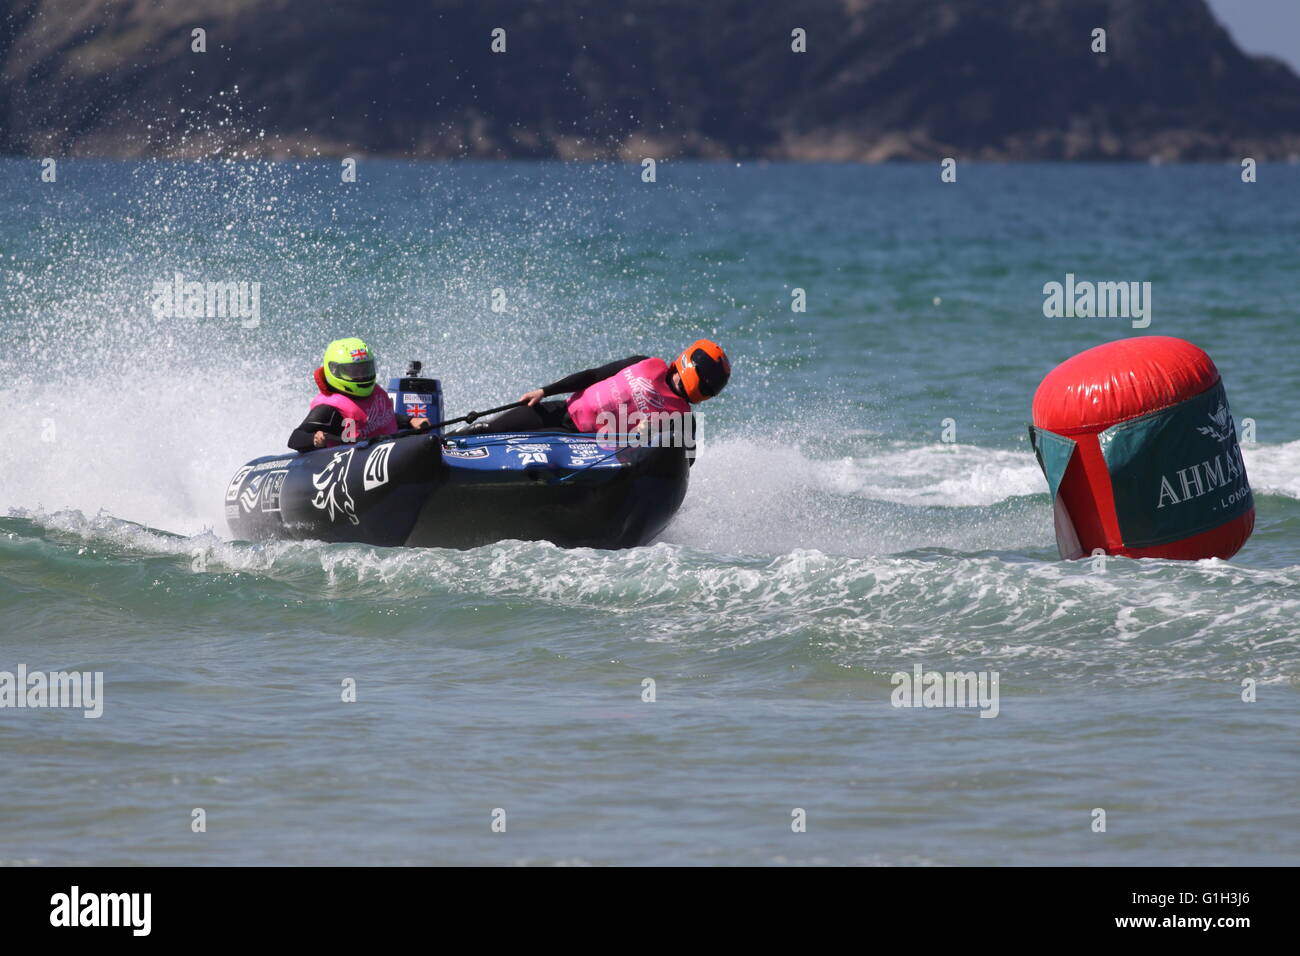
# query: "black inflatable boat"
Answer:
x=430 y=490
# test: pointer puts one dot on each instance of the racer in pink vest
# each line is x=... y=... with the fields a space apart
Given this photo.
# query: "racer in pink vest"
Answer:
x=619 y=391
x=349 y=407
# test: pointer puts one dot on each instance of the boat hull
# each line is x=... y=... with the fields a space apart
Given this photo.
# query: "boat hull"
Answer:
x=419 y=490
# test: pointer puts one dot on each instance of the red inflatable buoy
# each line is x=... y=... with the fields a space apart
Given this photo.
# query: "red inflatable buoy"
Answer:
x=1141 y=453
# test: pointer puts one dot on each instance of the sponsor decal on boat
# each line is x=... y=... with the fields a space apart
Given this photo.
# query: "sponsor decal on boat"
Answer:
x=271 y=491
x=272 y=465
x=376 y=472
x=232 y=490
x=417 y=406
x=331 y=484
x=248 y=500
x=587 y=453
x=452 y=452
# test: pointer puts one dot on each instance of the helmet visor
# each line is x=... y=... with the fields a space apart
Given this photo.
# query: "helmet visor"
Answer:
x=359 y=372
x=712 y=374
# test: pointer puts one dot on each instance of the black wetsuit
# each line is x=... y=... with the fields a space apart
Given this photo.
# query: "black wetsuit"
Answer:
x=551 y=416
x=327 y=419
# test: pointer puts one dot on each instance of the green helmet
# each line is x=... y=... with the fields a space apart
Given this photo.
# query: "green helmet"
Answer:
x=349 y=367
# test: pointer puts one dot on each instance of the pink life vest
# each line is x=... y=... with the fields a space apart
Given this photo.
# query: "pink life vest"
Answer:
x=373 y=414
x=640 y=388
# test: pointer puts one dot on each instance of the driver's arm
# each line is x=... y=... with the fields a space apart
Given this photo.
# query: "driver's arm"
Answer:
x=588 y=377
x=322 y=418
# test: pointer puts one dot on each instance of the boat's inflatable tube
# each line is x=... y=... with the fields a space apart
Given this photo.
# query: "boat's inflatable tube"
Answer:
x=1140 y=453
x=422 y=490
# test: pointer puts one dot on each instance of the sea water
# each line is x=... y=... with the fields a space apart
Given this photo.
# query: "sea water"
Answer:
x=864 y=504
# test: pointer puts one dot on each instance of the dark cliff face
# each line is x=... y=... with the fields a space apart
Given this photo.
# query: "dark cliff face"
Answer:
x=881 y=79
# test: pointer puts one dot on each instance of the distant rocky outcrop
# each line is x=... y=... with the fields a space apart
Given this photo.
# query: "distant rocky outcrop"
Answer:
x=881 y=80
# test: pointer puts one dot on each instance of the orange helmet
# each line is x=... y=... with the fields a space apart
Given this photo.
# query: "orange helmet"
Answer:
x=704 y=369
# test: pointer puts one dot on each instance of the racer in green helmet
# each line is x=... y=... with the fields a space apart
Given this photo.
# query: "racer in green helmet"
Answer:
x=349 y=408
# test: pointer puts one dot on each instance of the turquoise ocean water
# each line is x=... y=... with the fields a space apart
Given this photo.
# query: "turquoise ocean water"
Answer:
x=830 y=538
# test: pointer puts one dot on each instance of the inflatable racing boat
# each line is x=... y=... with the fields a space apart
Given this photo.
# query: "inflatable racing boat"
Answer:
x=424 y=489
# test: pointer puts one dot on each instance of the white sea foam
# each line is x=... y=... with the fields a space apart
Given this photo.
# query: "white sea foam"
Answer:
x=157 y=452
x=944 y=475
x=1274 y=469
x=1137 y=622
x=764 y=496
